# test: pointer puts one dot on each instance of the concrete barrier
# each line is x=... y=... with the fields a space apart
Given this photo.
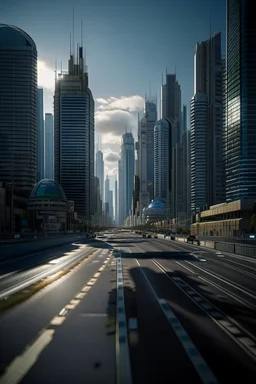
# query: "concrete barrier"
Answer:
x=23 y=249
x=235 y=248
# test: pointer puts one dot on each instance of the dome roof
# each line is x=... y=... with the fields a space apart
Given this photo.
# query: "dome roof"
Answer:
x=15 y=37
x=156 y=208
x=48 y=189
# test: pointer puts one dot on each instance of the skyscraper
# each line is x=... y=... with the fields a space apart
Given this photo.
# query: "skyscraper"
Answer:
x=18 y=100
x=99 y=171
x=241 y=100
x=74 y=135
x=40 y=134
x=151 y=118
x=162 y=160
x=48 y=147
x=171 y=110
x=116 y=200
x=198 y=124
x=126 y=176
x=208 y=68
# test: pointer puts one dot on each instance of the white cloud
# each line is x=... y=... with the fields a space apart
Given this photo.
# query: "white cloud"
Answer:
x=133 y=103
x=114 y=115
x=45 y=75
x=110 y=156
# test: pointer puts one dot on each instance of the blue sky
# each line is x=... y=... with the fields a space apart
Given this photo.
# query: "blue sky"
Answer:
x=129 y=43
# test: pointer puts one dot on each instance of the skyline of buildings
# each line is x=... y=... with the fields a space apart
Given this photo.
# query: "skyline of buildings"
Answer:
x=188 y=167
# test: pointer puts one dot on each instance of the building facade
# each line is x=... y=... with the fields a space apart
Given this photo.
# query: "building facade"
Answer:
x=18 y=100
x=49 y=146
x=198 y=149
x=208 y=79
x=241 y=100
x=171 y=110
x=126 y=166
x=99 y=171
x=74 y=136
x=40 y=153
x=162 y=160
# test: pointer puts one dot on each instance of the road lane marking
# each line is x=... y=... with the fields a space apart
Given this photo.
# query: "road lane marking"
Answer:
x=63 y=312
x=200 y=365
x=217 y=316
x=57 y=320
x=92 y=315
x=224 y=280
x=22 y=364
x=123 y=364
x=183 y=266
x=232 y=295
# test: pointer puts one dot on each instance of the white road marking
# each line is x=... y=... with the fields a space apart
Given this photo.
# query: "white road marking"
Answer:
x=57 y=320
x=200 y=365
x=92 y=315
x=217 y=316
x=22 y=364
x=183 y=266
x=216 y=276
x=123 y=364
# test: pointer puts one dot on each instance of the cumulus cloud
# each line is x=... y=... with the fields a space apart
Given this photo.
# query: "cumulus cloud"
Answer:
x=111 y=172
x=110 y=156
x=133 y=103
x=114 y=115
x=45 y=75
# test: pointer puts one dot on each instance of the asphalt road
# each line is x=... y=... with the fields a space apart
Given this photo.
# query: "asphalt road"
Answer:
x=137 y=311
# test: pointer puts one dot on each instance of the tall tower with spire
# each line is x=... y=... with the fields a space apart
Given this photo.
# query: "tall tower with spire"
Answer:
x=74 y=133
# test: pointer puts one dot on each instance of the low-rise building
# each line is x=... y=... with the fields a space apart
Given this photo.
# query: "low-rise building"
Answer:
x=227 y=219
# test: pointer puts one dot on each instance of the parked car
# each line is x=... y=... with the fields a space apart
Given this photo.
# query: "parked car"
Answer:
x=155 y=236
x=144 y=234
x=149 y=236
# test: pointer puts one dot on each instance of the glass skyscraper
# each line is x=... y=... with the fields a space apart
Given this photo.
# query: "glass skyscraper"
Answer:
x=18 y=100
x=74 y=136
x=126 y=176
x=162 y=160
x=241 y=101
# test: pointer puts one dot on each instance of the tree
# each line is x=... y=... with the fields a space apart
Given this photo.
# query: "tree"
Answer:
x=252 y=220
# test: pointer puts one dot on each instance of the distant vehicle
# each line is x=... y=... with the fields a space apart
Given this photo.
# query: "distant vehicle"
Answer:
x=144 y=234
x=149 y=236
x=191 y=238
x=155 y=236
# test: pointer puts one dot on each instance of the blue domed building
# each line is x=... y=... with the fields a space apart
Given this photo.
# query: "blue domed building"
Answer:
x=156 y=211
x=48 y=207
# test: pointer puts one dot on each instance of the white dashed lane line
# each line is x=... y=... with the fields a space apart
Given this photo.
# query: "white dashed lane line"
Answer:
x=200 y=365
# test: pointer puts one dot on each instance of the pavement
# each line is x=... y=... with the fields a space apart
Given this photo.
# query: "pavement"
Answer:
x=136 y=311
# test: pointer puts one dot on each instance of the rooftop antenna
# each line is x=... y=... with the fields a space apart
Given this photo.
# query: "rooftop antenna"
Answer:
x=73 y=48
x=61 y=67
x=210 y=25
x=81 y=33
x=55 y=70
x=70 y=48
x=162 y=79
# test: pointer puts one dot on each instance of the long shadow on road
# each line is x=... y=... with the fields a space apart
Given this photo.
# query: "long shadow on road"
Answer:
x=209 y=339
